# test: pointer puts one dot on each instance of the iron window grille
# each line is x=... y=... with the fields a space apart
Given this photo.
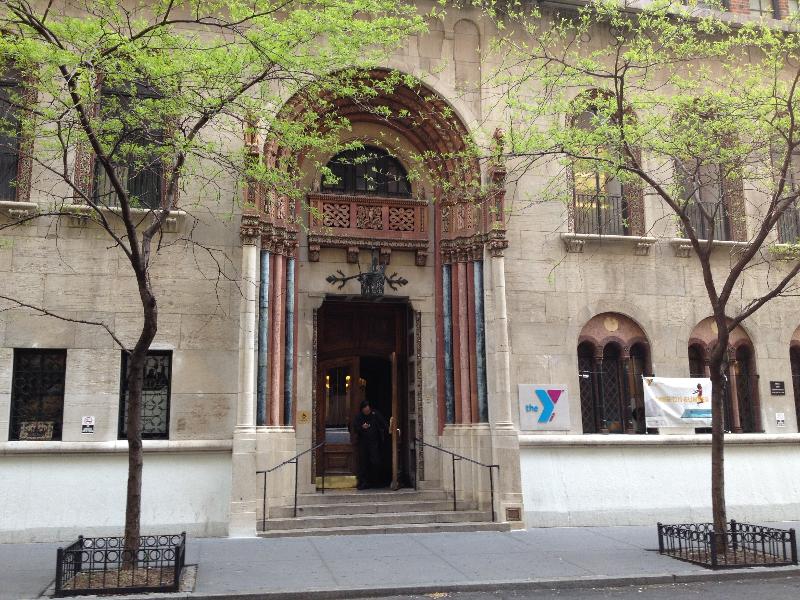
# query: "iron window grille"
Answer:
x=138 y=167
x=367 y=171
x=761 y=8
x=9 y=140
x=37 y=394
x=795 y=365
x=156 y=395
x=706 y=203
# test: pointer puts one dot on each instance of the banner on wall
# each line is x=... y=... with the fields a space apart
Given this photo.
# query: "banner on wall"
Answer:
x=677 y=401
x=543 y=407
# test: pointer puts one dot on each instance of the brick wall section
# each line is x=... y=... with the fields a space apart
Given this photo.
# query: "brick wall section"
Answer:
x=781 y=9
x=741 y=7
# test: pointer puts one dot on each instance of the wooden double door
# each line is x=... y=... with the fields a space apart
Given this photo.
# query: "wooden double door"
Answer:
x=361 y=352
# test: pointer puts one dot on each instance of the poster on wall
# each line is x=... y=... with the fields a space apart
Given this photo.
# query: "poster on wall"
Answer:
x=677 y=401
x=543 y=407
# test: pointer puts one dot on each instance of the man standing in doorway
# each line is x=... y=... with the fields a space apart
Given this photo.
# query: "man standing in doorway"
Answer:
x=371 y=431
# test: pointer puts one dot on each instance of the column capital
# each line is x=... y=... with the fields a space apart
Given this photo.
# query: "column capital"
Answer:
x=250 y=229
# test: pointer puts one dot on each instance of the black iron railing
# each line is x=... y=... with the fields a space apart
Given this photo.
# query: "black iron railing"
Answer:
x=601 y=214
x=457 y=457
x=789 y=226
x=742 y=545
x=99 y=565
x=714 y=223
x=295 y=460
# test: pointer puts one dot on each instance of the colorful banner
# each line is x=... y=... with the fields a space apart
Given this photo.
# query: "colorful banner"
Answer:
x=677 y=402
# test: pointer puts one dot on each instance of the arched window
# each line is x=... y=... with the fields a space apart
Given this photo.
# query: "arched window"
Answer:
x=742 y=413
x=697 y=362
x=613 y=354
x=368 y=170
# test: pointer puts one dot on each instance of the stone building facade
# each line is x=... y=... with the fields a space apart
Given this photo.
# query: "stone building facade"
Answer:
x=483 y=295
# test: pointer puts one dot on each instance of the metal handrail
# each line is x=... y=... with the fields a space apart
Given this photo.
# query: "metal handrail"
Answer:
x=455 y=457
x=296 y=461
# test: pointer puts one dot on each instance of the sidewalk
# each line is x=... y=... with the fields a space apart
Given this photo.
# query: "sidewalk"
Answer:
x=370 y=565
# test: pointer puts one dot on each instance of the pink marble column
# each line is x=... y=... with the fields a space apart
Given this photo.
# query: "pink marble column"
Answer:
x=276 y=339
x=463 y=334
x=454 y=312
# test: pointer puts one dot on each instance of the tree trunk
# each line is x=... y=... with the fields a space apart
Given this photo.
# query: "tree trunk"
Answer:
x=135 y=375
x=718 y=366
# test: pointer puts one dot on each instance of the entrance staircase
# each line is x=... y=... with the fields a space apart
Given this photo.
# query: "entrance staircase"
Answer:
x=351 y=512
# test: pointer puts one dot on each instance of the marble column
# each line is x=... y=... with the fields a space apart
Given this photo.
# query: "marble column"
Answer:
x=464 y=357
x=263 y=340
x=449 y=394
x=276 y=345
x=242 y=521
x=505 y=437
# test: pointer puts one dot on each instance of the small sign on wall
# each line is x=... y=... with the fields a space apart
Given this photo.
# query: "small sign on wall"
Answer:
x=780 y=419
x=777 y=388
x=87 y=425
x=543 y=407
x=303 y=417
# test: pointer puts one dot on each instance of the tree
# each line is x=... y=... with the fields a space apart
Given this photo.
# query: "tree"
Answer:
x=683 y=104
x=123 y=103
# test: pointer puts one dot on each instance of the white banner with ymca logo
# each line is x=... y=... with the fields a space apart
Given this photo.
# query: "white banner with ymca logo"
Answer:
x=677 y=401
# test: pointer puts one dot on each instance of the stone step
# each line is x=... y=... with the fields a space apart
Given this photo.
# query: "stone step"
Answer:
x=378 y=519
x=401 y=528
x=364 y=508
x=369 y=496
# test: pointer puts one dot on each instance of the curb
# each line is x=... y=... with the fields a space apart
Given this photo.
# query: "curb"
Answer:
x=488 y=586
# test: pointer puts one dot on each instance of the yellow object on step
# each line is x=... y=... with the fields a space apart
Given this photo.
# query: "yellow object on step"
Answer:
x=338 y=482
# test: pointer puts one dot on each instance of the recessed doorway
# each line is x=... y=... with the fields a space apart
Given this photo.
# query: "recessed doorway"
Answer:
x=362 y=354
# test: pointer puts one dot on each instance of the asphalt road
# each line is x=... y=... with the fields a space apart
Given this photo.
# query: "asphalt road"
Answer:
x=787 y=588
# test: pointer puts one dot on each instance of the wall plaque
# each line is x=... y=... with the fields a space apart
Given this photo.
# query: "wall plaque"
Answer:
x=36 y=430
x=777 y=388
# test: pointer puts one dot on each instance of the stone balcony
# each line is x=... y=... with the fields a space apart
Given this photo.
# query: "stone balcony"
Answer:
x=356 y=222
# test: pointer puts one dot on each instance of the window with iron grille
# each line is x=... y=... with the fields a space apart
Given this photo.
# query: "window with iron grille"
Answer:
x=599 y=205
x=789 y=222
x=37 y=394
x=137 y=165
x=706 y=204
x=155 y=395
x=9 y=140
x=761 y=8
x=795 y=364
x=793 y=7
x=368 y=170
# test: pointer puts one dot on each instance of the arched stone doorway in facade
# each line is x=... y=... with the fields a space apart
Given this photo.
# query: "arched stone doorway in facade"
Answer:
x=444 y=217
x=742 y=407
x=613 y=354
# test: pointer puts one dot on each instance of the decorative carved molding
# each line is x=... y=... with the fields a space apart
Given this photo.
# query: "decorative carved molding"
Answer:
x=250 y=229
x=576 y=242
x=683 y=247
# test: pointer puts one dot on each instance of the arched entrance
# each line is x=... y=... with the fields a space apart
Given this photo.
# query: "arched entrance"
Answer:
x=374 y=206
x=613 y=354
x=742 y=412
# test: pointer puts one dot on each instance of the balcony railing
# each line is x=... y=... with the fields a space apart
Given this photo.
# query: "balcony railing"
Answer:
x=601 y=214
x=716 y=217
x=789 y=226
x=345 y=221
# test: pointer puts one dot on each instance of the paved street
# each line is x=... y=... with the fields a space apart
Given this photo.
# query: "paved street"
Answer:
x=408 y=563
x=787 y=588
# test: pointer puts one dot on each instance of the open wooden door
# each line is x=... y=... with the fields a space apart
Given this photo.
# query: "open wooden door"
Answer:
x=339 y=395
x=394 y=431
